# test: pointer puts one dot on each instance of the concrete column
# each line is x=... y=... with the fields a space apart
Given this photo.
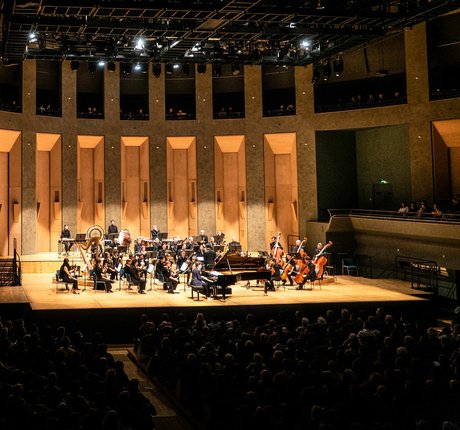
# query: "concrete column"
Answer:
x=112 y=94
x=203 y=94
x=28 y=194
x=157 y=96
x=158 y=182
x=255 y=191
x=69 y=94
x=417 y=66
x=303 y=91
x=112 y=179
x=253 y=92
x=306 y=170
x=69 y=182
x=29 y=88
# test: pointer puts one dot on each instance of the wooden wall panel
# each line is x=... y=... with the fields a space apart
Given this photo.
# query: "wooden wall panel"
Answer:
x=43 y=201
x=55 y=186
x=454 y=157
x=230 y=185
x=281 y=186
x=181 y=175
x=3 y=203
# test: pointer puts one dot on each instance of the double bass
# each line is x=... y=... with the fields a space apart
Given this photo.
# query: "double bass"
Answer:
x=277 y=252
x=320 y=260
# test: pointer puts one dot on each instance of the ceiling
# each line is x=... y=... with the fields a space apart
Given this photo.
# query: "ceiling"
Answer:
x=295 y=32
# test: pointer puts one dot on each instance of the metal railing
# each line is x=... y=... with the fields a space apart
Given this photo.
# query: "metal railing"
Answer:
x=445 y=217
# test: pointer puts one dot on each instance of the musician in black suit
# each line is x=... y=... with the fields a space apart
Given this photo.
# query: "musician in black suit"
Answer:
x=209 y=257
x=155 y=232
x=99 y=276
x=198 y=281
x=137 y=276
x=65 y=238
x=113 y=229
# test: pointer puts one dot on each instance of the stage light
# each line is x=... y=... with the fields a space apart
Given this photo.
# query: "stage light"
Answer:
x=111 y=66
x=236 y=70
x=201 y=68
x=101 y=63
x=176 y=66
x=137 y=67
x=338 y=66
x=156 y=69
x=139 y=44
x=74 y=65
x=33 y=37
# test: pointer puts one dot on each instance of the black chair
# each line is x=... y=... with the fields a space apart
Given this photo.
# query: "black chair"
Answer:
x=59 y=281
x=349 y=267
x=98 y=282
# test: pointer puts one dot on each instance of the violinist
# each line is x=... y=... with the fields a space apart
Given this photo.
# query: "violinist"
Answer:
x=275 y=269
x=138 y=276
x=190 y=244
x=171 y=275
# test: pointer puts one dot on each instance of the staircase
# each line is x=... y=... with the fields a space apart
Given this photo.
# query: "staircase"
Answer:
x=10 y=271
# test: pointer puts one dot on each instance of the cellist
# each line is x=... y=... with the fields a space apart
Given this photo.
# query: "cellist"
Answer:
x=298 y=253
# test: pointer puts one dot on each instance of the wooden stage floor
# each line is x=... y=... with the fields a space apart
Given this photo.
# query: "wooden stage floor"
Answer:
x=39 y=291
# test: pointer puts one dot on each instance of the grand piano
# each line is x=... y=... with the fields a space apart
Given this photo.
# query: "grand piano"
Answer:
x=232 y=267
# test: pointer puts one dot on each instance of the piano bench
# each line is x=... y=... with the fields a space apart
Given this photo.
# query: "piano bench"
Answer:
x=197 y=290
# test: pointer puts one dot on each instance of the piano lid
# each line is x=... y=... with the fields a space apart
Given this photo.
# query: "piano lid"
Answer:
x=233 y=260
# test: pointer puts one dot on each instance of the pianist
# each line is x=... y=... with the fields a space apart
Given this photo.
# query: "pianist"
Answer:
x=65 y=239
x=200 y=281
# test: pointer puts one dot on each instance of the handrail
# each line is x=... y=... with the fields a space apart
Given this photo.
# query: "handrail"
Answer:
x=447 y=217
x=410 y=259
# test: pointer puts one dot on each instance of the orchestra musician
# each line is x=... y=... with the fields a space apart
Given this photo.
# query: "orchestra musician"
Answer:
x=100 y=276
x=299 y=247
x=212 y=242
x=112 y=229
x=155 y=233
x=65 y=238
x=66 y=273
x=171 y=276
x=201 y=281
x=190 y=244
x=311 y=274
x=209 y=257
x=203 y=237
x=219 y=237
x=138 y=276
x=275 y=242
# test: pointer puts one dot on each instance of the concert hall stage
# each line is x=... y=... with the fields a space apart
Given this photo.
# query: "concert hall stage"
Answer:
x=119 y=312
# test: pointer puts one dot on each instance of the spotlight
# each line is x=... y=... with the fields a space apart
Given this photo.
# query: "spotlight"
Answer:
x=74 y=65
x=156 y=69
x=139 y=44
x=33 y=37
x=326 y=70
x=236 y=70
x=91 y=67
x=201 y=68
x=176 y=66
x=137 y=67
x=101 y=63
x=338 y=66
x=111 y=66
x=316 y=74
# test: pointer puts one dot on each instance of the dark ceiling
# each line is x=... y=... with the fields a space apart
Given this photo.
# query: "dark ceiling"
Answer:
x=229 y=31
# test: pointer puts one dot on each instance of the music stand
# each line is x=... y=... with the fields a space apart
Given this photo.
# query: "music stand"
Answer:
x=218 y=248
x=235 y=248
x=162 y=236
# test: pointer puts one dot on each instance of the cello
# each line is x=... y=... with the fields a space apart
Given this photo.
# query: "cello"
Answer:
x=289 y=266
x=320 y=260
